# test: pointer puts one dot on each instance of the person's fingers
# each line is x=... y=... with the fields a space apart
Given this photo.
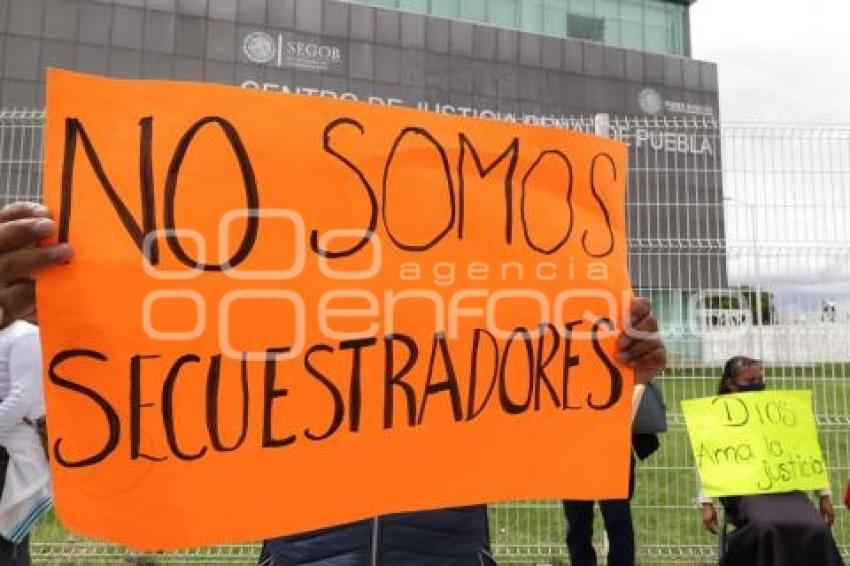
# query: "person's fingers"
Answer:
x=642 y=324
x=22 y=264
x=23 y=232
x=646 y=325
x=637 y=349
x=655 y=358
x=639 y=309
x=829 y=516
x=22 y=226
x=640 y=346
x=18 y=210
x=649 y=365
x=709 y=517
x=16 y=301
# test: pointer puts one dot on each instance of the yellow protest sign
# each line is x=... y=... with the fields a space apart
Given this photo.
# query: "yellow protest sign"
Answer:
x=751 y=443
x=286 y=313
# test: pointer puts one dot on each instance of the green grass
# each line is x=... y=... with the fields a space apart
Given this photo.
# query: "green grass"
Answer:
x=665 y=515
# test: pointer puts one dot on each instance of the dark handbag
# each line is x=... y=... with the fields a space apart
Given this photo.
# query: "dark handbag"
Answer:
x=40 y=426
x=651 y=415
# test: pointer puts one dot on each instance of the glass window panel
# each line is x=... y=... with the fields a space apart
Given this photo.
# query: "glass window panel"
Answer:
x=475 y=10
x=585 y=7
x=674 y=38
x=555 y=20
x=631 y=35
x=502 y=13
x=655 y=15
x=652 y=25
x=655 y=39
x=418 y=6
x=631 y=11
x=530 y=15
x=445 y=8
x=608 y=8
x=586 y=27
x=612 y=31
x=675 y=23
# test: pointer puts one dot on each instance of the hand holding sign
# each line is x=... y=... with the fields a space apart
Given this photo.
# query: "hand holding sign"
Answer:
x=250 y=312
x=641 y=348
x=22 y=225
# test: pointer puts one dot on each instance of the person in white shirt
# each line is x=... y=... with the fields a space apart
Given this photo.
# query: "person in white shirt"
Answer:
x=26 y=494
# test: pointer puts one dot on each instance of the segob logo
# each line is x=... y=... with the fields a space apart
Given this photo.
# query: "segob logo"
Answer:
x=259 y=47
x=650 y=101
x=287 y=50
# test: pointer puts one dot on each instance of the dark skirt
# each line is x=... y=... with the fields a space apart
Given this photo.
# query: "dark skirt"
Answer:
x=782 y=529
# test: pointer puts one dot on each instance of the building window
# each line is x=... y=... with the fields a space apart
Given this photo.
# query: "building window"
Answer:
x=555 y=21
x=586 y=27
x=502 y=13
x=657 y=26
x=473 y=10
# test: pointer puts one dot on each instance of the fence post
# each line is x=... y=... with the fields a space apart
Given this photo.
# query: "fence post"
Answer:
x=601 y=125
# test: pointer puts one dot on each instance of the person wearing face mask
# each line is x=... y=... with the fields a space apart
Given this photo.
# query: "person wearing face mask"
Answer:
x=777 y=529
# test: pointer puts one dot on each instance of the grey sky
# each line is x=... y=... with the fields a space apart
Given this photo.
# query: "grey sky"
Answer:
x=785 y=60
x=778 y=59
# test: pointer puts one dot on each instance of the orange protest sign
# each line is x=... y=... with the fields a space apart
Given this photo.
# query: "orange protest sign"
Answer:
x=286 y=313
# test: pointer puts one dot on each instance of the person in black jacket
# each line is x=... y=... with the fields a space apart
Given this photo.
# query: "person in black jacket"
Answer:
x=445 y=537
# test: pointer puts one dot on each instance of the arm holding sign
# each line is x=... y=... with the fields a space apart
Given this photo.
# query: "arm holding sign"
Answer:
x=641 y=347
x=706 y=508
x=826 y=510
x=22 y=225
